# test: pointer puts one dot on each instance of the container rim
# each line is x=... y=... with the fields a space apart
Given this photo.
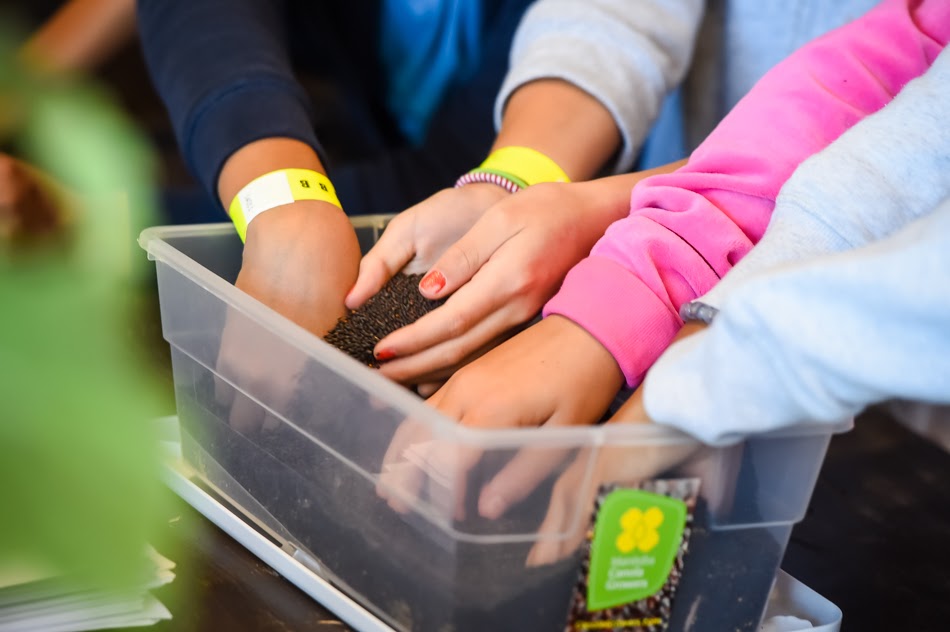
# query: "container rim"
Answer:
x=154 y=241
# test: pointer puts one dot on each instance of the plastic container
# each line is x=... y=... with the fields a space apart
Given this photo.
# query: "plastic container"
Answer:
x=301 y=438
x=792 y=605
x=792 y=598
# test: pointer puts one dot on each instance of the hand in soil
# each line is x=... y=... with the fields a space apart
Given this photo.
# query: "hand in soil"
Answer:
x=396 y=305
x=418 y=236
x=497 y=277
x=417 y=466
x=299 y=259
x=520 y=383
x=553 y=372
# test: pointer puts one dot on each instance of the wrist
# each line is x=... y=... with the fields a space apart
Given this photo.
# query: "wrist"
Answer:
x=277 y=189
x=563 y=121
x=260 y=157
x=484 y=194
x=586 y=350
x=513 y=168
x=283 y=225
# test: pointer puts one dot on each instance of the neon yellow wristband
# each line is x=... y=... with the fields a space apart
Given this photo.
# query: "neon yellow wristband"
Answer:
x=523 y=165
x=277 y=188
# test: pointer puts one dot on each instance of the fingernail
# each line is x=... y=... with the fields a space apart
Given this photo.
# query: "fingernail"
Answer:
x=432 y=282
x=385 y=354
x=491 y=506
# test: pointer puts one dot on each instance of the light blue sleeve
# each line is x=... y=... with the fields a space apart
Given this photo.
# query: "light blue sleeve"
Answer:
x=884 y=172
x=627 y=54
x=817 y=341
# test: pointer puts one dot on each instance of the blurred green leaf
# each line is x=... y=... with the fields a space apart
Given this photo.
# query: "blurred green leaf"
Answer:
x=79 y=489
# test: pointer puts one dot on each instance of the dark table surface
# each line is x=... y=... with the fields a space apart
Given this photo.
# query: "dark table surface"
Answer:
x=873 y=542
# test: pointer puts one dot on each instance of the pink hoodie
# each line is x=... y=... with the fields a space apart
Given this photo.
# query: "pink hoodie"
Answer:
x=688 y=228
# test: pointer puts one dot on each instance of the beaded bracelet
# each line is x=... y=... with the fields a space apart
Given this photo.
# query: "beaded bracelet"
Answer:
x=492 y=178
x=514 y=168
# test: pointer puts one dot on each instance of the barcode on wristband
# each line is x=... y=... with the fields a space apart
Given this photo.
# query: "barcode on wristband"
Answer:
x=267 y=192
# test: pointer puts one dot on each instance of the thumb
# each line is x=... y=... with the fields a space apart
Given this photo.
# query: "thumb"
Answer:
x=378 y=266
x=459 y=263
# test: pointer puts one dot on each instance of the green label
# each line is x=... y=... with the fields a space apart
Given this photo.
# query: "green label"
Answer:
x=636 y=538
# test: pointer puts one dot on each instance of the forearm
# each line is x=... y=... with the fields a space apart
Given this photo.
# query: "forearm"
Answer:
x=263 y=156
x=299 y=258
x=222 y=68
x=563 y=122
x=624 y=55
x=609 y=197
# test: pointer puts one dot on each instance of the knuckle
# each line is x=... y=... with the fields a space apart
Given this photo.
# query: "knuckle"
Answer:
x=546 y=189
x=522 y=311
x=458 y=324
x=469 y=259
x=521 y=281
x=505 y=216
x=460 y=258
x=394 y=225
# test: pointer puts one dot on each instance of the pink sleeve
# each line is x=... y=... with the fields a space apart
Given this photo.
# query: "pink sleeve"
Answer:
x=688 y=228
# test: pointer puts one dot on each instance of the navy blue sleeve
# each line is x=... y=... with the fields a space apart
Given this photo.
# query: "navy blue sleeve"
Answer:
x=458 y=139
x=223 y=70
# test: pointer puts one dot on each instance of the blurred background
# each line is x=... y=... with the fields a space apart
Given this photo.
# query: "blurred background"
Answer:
x=85 y=149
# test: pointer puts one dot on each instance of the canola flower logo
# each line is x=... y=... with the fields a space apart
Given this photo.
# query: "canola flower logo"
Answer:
x=639 y=530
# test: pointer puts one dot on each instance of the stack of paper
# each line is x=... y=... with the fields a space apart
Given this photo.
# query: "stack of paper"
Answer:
x=31 y=599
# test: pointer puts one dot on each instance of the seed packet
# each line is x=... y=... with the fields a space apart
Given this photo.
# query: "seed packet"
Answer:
x=633 y=556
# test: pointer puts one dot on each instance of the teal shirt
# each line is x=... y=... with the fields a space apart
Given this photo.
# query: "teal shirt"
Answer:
x=427 y=45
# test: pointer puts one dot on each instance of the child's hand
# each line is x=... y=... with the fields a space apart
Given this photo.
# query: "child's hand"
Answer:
x=530 y=467
x=553 y=372
x=498 y=276
x=418 y=236
x=299 y=260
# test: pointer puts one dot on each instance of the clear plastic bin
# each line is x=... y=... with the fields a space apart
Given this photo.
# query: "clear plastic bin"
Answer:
x=792 y=598
x=302 y=438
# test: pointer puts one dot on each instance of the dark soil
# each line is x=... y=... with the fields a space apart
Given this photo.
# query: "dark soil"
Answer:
x=396 y=305
x=420 y=577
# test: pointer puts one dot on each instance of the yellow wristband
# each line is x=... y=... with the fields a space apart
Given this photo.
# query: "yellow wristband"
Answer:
x=277 y=188
x=523 y=164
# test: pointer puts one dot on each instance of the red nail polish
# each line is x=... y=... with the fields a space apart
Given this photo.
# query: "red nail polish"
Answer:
x=432 y=282
x=385 y=354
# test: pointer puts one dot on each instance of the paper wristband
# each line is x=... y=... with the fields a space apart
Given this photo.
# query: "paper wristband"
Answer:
x=523 y=166
x=277 y=188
